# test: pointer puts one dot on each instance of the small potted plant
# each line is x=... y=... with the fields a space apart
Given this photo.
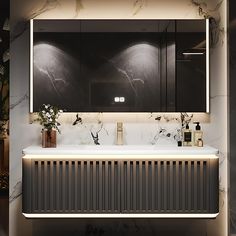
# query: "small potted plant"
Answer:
x=48 y=118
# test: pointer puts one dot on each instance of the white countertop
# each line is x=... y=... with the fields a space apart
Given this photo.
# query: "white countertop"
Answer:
x=119 y=150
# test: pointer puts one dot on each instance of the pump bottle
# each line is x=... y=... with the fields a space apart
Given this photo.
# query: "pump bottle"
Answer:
x=198 y=134
x=187 y=136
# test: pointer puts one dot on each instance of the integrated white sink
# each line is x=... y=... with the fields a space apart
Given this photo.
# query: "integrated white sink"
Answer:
x=119 y=150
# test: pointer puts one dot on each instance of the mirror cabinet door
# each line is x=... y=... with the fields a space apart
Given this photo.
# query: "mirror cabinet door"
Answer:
x=191 y=65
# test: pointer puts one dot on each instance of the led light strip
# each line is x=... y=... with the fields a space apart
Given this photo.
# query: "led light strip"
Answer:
x=121 y=157
x=193 y=53
x=121 y=215
x=207 y=67
x=31 y=63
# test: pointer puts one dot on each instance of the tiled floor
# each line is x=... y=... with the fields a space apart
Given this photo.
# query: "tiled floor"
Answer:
x=4 y=214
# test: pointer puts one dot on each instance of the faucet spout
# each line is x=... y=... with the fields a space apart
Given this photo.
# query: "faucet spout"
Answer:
x=119 y=136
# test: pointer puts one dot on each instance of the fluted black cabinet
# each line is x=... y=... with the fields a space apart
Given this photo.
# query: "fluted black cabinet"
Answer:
x=142 y=187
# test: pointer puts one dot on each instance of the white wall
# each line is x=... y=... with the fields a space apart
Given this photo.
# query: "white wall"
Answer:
x=139 y=128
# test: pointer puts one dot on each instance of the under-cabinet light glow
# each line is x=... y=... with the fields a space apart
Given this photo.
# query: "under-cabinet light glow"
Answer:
x=121 y=215
x=31 y=63
x=193 y=53
x=207 y=68
x=121 y=156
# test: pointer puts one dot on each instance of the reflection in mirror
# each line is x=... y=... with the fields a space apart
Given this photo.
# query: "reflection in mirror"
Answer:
x=119 y=65
x=191 y=65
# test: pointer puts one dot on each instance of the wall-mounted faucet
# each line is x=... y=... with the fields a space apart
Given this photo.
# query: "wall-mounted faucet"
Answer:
x=119 y=133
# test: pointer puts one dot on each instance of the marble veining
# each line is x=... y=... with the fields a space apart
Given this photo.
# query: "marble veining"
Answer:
x=19 y=101
x=18 y=30
x=43 y=6
x=209 y=10
x=21 y=26
x=17 y=192
x=218 y=95
x=106 y=65
x=94 y=131
x=138 y=5
x=162 y=130
x=79 y=6
x=47 y=6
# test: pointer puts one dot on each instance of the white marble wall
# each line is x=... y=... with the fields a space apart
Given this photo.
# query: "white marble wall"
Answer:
x=139 y=128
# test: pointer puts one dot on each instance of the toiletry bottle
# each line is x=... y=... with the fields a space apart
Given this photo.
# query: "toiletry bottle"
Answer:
x=187 y=136
x=179 y=143
x=199 y=142
x=197 y=133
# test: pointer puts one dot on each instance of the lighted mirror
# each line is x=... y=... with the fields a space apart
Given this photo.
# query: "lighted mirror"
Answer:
x=120 y=65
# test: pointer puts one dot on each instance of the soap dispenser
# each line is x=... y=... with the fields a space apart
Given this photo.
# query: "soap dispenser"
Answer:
x=197 y=135
x=187 y=136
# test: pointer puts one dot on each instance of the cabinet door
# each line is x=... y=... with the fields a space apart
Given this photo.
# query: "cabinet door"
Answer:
x=169 y=186
x=72 y=186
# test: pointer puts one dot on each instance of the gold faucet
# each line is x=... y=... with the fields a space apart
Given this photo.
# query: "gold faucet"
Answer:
x=119 y=133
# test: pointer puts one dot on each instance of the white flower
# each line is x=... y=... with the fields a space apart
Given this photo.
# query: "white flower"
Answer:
x=48 y=115
x=46 y=106
x=60 y=111
x=50 y=119
x=51 y=110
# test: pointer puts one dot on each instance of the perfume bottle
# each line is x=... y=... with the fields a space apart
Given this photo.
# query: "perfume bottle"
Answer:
x=199 y=142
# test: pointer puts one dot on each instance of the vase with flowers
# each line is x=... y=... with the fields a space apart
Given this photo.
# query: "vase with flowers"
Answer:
x=48 y=118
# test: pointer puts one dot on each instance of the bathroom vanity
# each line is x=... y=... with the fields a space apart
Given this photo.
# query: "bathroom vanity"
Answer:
x=120 y=181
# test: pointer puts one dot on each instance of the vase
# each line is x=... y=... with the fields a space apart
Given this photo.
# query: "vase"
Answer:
x=49 y=138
